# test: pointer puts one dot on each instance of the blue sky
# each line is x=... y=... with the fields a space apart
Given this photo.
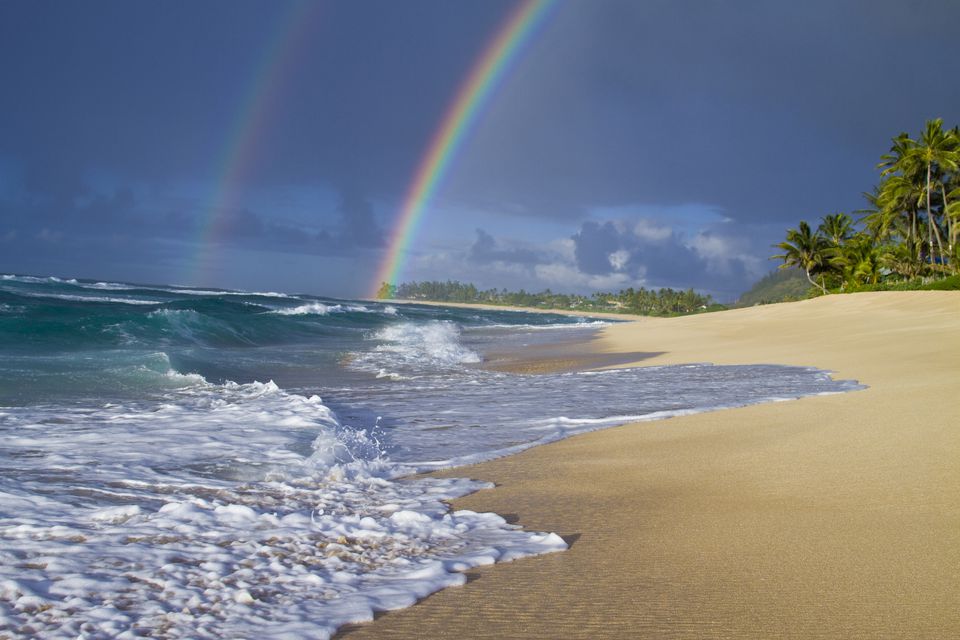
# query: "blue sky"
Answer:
x=635 y=143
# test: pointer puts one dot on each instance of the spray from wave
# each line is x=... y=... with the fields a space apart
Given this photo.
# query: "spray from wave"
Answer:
x=408 y=348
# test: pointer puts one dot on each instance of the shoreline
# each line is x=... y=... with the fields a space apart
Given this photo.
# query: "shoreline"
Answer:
x=830 y=516
x=625 y=317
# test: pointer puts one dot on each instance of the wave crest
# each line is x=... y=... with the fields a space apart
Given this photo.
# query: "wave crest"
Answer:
x=436 y=342
x=318 y=309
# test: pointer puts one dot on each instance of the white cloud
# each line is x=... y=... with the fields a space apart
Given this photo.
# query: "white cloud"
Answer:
x=721 y=251
x=568 y=278
x=712 y=246
x=618 y=259
x=649 y=230
x=564 y=248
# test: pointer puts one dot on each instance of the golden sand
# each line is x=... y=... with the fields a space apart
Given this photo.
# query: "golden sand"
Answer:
x=827 y=517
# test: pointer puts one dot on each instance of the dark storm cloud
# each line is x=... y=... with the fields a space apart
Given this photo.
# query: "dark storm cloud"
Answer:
x=486 y=249
x=350 y=94
x=718 y=258
x=770 y=110
x=159 y=96
x=594 y=244
x=358 y=224
x=61 y=216
x=661 y=257
x=602 y=249
x=56 y=178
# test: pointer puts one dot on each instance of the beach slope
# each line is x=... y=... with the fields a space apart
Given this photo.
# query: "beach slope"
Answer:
x=831 y=516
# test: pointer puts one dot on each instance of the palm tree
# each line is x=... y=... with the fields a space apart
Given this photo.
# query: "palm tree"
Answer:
x=858 y=260
x=952 y=211
x=806 y=250
x=837 y=228
x=892 y=162
x=898 y=195
x=934 y=154
x=903 y=258
x=950 y=193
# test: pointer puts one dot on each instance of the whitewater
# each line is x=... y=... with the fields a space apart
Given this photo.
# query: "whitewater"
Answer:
x=203 y=463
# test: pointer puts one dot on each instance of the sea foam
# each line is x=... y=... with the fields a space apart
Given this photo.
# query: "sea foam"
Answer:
x=431 y=343
x=222 y=509
x=319 y=309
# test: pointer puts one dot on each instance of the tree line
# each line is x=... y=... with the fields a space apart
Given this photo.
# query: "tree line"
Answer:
x=907 y=233
x=659 y=302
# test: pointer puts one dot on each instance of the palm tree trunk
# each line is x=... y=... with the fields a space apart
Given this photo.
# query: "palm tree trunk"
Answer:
x=929 y=220
x=933 y=229
x=814 y=282
x=951 y=230
x=914 y=233
x=936 y=234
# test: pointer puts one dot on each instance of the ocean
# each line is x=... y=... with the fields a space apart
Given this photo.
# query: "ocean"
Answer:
x=179 y=462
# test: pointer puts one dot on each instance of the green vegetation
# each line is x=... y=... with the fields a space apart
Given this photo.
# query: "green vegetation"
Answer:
x=905 y=239
x=782 y=285
x=662 y=302
x=951 y=283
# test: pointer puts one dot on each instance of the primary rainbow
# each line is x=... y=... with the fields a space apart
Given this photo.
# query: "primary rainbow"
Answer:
x=475 y=91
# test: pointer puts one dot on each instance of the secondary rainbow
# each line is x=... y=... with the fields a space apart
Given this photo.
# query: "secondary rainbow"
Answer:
x=487 y=72
x=251 y=120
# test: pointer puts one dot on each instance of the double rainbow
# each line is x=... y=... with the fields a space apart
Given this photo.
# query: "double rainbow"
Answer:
x=474 y=93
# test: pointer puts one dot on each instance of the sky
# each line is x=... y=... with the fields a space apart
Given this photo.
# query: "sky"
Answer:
x=269 y=145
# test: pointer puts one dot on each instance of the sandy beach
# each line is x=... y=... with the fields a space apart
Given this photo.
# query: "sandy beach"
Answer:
x=828 y=517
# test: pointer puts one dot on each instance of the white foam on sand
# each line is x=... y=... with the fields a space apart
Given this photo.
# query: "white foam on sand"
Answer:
x=221 y=511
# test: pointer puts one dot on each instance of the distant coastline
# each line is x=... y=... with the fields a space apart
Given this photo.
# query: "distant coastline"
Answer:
x=663 y=302
x=625 y=317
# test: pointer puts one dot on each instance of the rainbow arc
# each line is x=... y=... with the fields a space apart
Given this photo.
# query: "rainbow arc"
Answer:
x=474 y=93
x=256 y=108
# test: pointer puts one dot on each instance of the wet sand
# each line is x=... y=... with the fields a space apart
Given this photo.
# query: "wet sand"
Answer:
x=827 y=517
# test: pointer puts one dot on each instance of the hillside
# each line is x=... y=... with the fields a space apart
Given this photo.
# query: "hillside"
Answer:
x=780 y=285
